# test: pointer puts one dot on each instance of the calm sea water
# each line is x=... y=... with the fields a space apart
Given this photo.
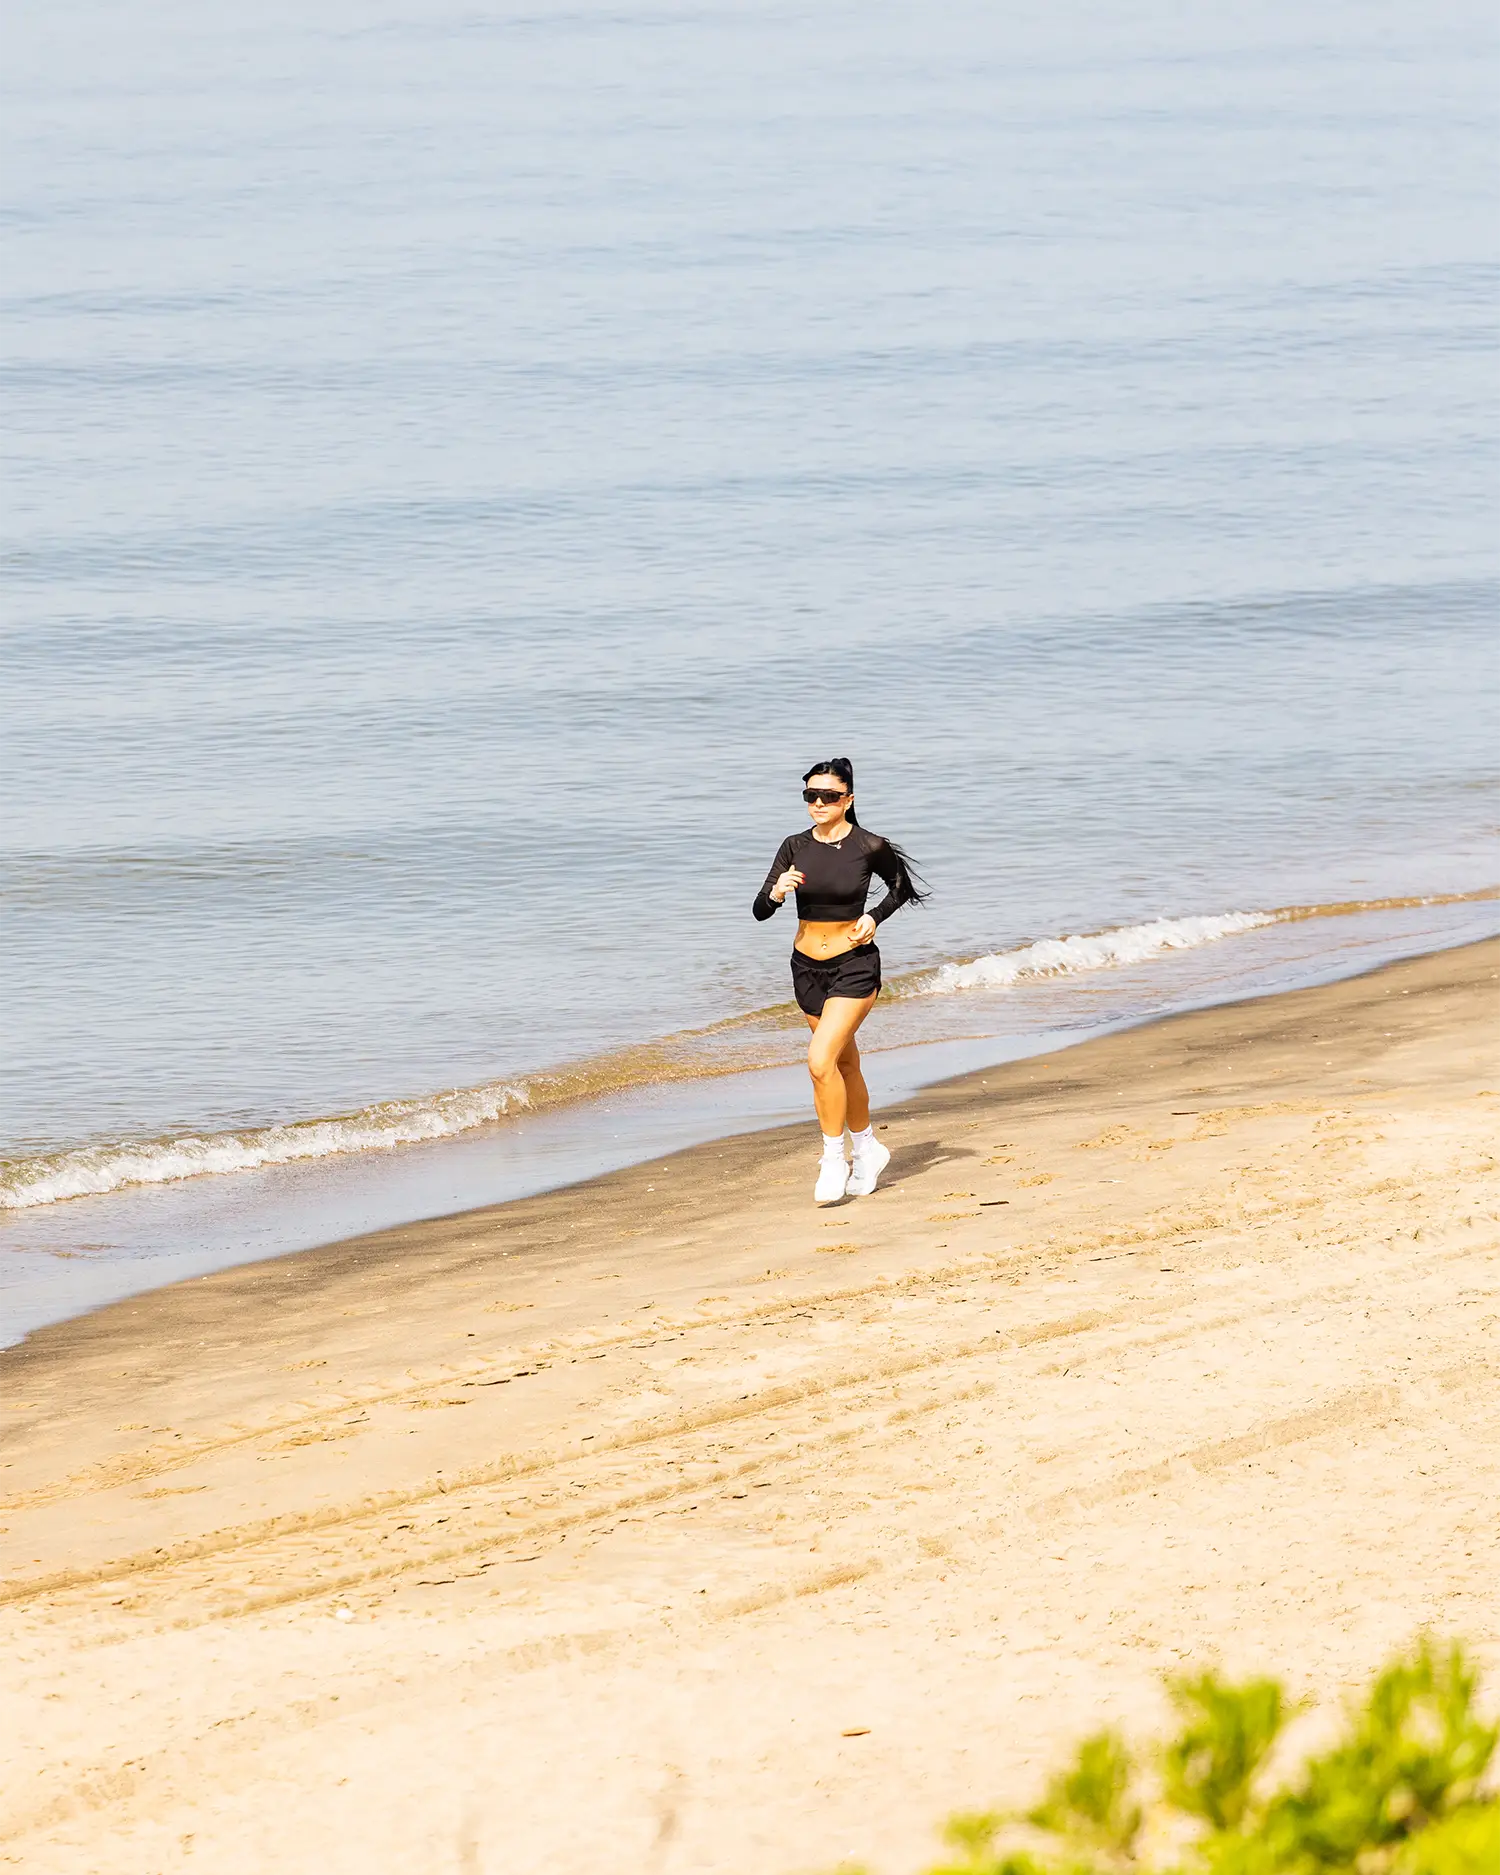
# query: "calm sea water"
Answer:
x=465 y=463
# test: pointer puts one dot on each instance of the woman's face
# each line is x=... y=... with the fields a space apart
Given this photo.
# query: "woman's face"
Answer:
x=824 y=812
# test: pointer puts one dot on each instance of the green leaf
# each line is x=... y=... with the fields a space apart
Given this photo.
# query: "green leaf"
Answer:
x=1093 y=1800
x=1465 y=1843
x=1209 y=1768
x=1415 y=1753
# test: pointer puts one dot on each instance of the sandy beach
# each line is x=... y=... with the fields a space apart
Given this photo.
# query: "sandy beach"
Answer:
x=668 y=1523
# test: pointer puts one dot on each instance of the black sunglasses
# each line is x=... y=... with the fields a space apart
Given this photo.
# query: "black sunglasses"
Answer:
x=825 y=797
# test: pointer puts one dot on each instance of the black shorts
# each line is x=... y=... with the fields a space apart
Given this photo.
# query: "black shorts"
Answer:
x=852 y=973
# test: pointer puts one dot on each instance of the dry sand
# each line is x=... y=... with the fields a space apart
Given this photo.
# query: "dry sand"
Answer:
x=670 y=1524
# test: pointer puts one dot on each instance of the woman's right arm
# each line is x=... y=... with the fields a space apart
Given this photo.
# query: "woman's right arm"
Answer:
x=781 y=879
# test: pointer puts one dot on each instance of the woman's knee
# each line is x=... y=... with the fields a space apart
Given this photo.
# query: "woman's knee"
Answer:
x=849 y=1059
x=822 y=1063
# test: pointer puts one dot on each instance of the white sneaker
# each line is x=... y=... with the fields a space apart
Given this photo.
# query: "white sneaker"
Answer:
x=833 y=1180
x=869 y=1162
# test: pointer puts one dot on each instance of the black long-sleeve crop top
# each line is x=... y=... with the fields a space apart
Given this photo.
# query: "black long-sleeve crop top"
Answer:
x=836 y=879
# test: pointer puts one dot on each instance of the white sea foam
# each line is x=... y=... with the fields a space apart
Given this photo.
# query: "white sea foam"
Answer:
x=89 y=1170
x=1100 y=950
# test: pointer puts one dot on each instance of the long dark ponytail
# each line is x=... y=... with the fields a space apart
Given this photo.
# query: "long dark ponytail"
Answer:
x=910 y=886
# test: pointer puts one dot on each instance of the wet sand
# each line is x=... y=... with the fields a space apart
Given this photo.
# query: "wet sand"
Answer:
x=668 y=1523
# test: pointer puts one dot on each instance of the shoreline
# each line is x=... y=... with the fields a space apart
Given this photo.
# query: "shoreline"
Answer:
x=66 y=1173
x=70 y=1258
x=794 y=1528
x=529 y=1157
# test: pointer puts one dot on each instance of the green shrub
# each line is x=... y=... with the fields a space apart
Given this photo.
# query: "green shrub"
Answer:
x=1403 y=1792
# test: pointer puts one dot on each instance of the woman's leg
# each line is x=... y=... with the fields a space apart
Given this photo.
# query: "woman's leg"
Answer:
x=856 y=1094
x=839 y=1091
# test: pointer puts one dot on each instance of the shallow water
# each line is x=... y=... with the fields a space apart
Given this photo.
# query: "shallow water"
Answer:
x=464 y=468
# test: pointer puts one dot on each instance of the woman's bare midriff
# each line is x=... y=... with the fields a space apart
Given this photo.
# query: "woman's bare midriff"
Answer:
x=825 y=940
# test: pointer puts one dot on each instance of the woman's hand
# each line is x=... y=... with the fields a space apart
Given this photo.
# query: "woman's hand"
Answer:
x=788 y=882
x=864 y=929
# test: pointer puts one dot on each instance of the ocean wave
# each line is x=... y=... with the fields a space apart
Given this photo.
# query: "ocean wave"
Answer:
x=1099 y=950
x=89 y=1171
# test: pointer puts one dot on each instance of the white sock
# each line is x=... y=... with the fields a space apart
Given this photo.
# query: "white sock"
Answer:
x=833 y=1146
x=865 y=1137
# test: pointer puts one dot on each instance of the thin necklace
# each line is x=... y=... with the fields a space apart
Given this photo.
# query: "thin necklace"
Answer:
x=838 y=842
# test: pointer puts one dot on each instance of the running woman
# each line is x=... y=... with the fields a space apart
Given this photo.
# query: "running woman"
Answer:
x=835 y=965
